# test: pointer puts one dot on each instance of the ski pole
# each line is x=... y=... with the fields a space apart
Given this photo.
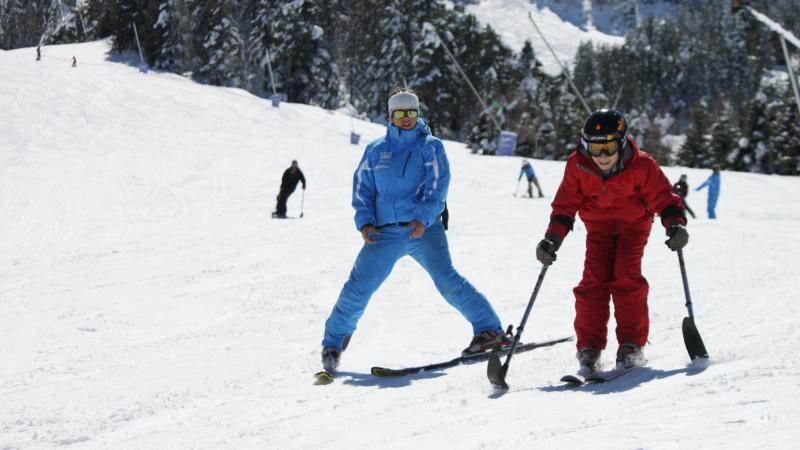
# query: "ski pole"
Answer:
x=516 y=191
x=691 y=337
x=497 y=372
x=302 y=200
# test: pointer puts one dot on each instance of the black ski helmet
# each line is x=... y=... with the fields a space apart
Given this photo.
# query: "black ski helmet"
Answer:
x=605 y=125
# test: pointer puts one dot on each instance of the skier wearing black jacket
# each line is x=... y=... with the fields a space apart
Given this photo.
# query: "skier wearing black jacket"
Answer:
x=291 y=177
x=682 y=189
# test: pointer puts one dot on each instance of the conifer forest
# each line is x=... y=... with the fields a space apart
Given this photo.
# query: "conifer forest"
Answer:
x=698 y=71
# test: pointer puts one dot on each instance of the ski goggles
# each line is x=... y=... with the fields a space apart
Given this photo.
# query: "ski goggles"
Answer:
x=598 y=149
x=400 y=113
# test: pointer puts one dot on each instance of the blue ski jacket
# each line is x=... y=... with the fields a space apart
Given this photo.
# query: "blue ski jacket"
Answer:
x=402 y=176
x=527 y=171
x=713 y=183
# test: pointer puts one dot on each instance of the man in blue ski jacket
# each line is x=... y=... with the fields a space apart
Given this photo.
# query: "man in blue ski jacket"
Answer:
x=527 y=170
x=399 y=191
x=713 y=184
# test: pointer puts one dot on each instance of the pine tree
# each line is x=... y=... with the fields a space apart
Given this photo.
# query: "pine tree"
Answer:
x=25 y=23
x=431 y=71
x=725 y=136
x=3 y=21
x=123 y=14
x=696 y=150
x=386 y=62
x=750 y=157
x=527 y=62
x=784 y=127
x=172 y=43
x=260 y=45
x=97 y=19
x=304 y=68
x=219 y=58
x=323 y=69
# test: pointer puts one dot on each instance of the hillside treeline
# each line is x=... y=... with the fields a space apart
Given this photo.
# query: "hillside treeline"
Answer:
x=699 y=72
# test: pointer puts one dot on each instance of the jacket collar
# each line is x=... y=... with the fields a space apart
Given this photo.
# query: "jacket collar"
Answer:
x=629 y=153
x=406 y=137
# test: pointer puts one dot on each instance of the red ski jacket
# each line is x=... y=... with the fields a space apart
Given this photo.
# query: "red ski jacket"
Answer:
x=638 y=190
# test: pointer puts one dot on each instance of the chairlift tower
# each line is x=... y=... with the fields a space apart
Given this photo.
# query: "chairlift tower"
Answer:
x=783 y=34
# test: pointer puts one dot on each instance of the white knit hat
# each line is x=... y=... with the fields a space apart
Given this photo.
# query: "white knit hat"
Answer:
x=403 y=100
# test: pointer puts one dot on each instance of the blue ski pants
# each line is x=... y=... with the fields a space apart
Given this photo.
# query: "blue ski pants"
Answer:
x=713 y=196
x=375 y=262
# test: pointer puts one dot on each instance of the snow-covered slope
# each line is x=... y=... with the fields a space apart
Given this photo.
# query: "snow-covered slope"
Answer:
x=148 y=301
x=565 y=24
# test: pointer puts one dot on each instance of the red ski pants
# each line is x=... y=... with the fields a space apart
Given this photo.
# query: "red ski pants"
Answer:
x=613 y=270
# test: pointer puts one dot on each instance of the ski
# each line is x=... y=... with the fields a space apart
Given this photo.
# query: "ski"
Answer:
x=606 y=376
x=579 y=378
x=387 y=372
x=323 y=377
x=573 y=380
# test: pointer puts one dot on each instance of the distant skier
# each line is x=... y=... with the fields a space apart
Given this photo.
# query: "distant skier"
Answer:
x=681 y=188
x=74 y=62
x=291 y=177
x=39 y=53
x=616 y=188
x=399 y=192
x=527 y=170
x=713 y=184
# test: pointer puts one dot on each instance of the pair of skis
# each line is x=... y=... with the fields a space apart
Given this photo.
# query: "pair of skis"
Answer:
x=496 y=371
x=596 y=377
x=327 y=377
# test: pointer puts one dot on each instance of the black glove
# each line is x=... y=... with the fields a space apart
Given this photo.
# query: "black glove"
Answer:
x=678 y=237
x=546 y=250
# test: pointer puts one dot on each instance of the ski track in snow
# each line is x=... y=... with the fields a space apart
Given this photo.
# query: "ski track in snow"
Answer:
x=150 y=302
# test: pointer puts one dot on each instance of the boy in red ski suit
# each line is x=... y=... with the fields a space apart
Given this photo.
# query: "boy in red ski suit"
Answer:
x=616 y=188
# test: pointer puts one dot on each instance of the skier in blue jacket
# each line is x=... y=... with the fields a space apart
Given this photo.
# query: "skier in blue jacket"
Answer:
x=527 y=170
x=713 y=184
x=399 y=190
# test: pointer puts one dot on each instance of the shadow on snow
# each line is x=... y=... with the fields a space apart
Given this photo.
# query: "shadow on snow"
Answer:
x=626 y=382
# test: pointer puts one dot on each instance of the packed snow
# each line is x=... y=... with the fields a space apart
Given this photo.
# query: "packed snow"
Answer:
x=149 y=301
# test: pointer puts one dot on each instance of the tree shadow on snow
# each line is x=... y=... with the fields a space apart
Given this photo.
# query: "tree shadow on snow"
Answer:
x=628 y=381
x=369 y=380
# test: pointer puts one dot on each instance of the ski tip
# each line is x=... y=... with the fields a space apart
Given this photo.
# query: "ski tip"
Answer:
x=323 y=377
x=572 y=380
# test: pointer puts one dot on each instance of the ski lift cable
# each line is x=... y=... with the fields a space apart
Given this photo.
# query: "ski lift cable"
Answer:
x=563 y=68
x=616 y=100
x=474 y=91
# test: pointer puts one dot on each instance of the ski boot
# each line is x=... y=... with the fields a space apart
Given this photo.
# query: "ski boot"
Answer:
x=630 y=355
x=486 y=341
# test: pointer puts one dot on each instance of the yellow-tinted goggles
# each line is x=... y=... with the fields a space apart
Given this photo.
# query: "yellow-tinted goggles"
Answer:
x=400 y=113
x=597 y=149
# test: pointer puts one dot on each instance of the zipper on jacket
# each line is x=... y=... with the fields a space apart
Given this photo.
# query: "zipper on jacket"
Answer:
x=406 y=163
x=592 y=172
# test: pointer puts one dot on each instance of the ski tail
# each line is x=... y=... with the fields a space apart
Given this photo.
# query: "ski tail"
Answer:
x=323 y=377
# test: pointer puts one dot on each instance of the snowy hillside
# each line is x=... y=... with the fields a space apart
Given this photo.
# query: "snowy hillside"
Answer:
x=565 y=24
x=149 y=302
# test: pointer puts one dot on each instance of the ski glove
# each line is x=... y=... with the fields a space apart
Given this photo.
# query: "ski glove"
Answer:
x=678 y=237
x=546 y=250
